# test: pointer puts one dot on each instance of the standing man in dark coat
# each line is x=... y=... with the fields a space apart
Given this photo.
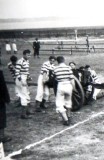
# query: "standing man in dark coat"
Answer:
x=36 y=47
x=88 y=44
x=4 y=98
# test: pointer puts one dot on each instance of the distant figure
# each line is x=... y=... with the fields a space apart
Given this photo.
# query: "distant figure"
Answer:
x=4 y=98
x=14 y=47
x=76 y=38
x=8 y=47
x=87 y=44
x=61 y=43
x=93 y=49
x=53 y=51
x=36 y=47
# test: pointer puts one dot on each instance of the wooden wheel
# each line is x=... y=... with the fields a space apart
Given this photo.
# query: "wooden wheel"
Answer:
x=77 y=96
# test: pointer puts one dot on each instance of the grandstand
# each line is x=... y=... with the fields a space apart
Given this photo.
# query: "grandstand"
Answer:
x=68 y=32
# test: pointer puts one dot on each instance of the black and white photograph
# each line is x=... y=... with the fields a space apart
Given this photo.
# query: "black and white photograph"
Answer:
x=51 y=80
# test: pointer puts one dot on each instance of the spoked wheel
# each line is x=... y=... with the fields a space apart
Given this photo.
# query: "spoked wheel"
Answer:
x=77 y=96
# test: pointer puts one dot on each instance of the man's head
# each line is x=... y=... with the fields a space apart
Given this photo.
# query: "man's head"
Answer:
x=60 y=59
x=87 y=68
x=36 y=39
x=26 y=54
x=13 y=59
x=82 y=68
x=72 y=65
x=52 y=59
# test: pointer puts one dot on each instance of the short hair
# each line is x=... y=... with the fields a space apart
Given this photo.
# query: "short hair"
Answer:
x=52 y=57
x=60 y=59
x=81 y=68
x=27 y=51
x=87 y=66
x=72 y=63
x=13 y=58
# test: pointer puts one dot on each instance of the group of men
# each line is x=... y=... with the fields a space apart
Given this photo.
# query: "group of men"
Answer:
x=20 y=73
x=87 y=76
x=60 y=77
x=61 y=73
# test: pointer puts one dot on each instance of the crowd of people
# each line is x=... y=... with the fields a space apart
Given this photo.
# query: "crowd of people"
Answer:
x=54 y=74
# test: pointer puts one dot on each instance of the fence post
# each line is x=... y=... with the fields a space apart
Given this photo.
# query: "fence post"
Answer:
x=53 y=51
x=71 y=51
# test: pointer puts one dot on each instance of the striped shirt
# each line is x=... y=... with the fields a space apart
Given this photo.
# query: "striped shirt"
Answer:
x=12 y=69
x=46 y=67
x=62 y=72
x=22 y=67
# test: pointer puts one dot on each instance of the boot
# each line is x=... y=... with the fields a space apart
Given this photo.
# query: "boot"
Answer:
x=37 y=106
x=17 y=103
x=68 y=112
x=28 y=111
x=24 y=115
x=42 y=104
x=65 y=118
x=4 y=138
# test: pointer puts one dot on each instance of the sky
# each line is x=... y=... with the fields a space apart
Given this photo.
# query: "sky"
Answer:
x=73 y=12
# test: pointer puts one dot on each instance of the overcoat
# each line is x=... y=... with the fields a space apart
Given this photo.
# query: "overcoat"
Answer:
x=4 y=98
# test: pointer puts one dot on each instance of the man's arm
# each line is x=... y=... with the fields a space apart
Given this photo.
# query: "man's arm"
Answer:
x=45 y=77
x=18 y=69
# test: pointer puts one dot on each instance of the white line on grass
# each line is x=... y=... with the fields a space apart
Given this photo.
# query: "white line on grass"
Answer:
x=56 y=134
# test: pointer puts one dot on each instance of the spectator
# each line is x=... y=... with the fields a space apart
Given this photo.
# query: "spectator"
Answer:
x=14 y=47
x=43 y=83
x=36 y=47
x=22 y=76
x=88 y=44
x=8 y=47
x=4 y=98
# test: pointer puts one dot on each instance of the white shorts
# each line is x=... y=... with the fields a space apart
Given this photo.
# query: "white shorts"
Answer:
x=64 y=96
x=23 y=91
x=8 y=47
x=42 y=90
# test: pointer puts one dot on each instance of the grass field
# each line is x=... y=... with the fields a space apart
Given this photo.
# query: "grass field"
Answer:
x=44 y=137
